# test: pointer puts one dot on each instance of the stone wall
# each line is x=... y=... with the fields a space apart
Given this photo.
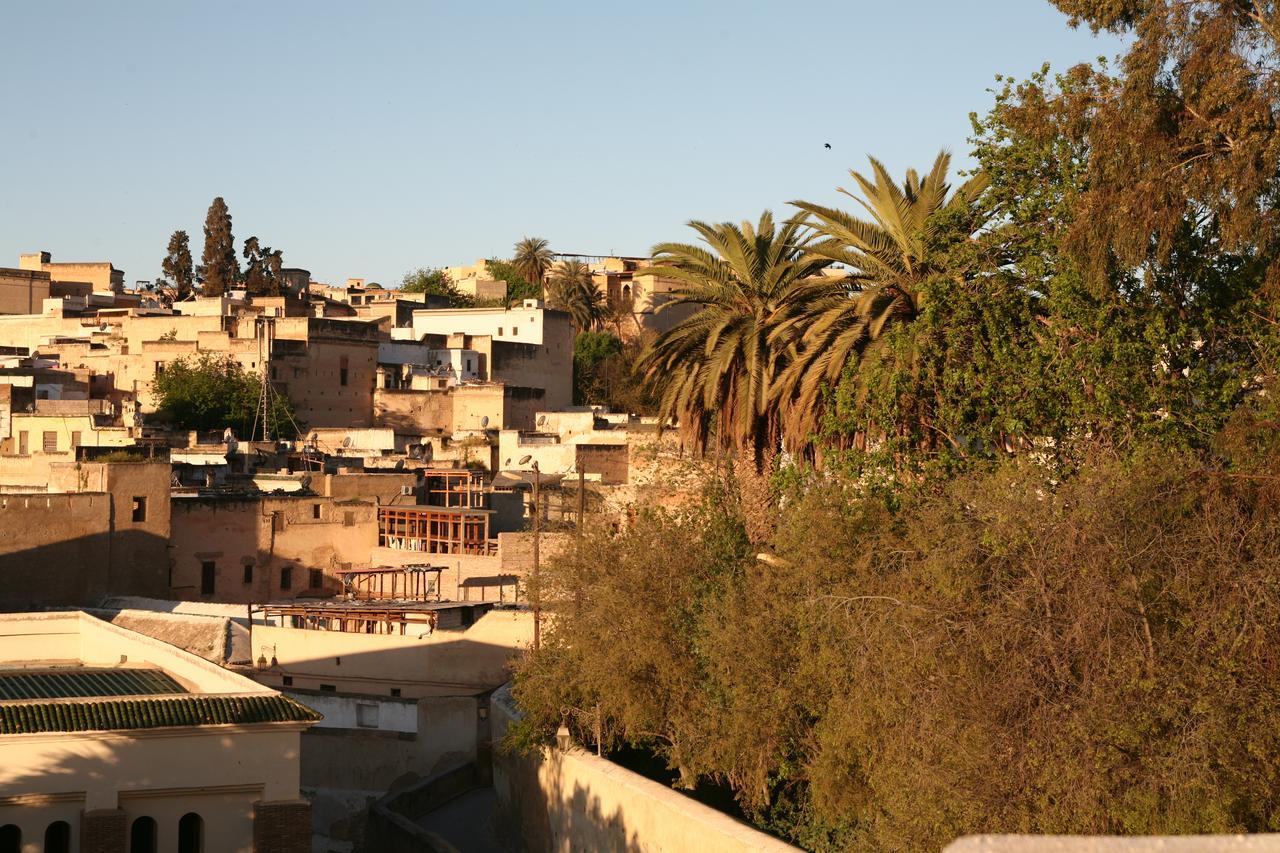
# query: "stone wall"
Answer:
x=568 y=799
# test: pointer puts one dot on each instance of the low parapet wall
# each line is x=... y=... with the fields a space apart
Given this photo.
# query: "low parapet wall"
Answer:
x=1110 y=844
x=569 y=799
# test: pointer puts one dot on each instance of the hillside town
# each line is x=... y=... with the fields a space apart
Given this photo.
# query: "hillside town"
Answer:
x=640 y=428
x=363 y=565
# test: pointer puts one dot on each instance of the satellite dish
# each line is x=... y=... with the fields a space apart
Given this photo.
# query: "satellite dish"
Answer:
x=427 y=452
x=542 y=419
x=484 y=421
x=346 y=442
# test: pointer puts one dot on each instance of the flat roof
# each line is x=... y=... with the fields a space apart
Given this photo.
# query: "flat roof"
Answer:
x=85 y=682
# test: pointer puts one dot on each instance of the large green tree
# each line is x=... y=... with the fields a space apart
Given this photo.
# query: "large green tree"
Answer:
x=433 y=282
x=1187 y=132
x=893 y=257
x=218 y=264
x=177 y=265
x=211 y=393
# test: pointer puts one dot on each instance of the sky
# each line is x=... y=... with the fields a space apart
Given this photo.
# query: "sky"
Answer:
x=369 y=139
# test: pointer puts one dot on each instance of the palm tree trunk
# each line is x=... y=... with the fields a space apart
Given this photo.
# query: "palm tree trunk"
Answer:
x=752 y=470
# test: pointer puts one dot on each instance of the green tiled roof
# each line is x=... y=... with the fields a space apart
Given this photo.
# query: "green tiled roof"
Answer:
x=82 y=682
x=125 y=714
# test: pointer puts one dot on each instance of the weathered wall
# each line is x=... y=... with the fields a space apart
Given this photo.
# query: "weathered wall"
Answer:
x=54 y=549
x=384 y=489
x=80 y=542
x=565 y=800
x=270 y=534
x=22 y=291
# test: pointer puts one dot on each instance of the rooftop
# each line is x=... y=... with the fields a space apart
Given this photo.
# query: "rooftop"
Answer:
x=84 y=682
x=72 y=672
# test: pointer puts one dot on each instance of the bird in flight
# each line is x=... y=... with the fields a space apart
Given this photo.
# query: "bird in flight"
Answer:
x=826 y=145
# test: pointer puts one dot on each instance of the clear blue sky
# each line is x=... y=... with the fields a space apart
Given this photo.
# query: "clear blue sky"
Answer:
x=366 y=139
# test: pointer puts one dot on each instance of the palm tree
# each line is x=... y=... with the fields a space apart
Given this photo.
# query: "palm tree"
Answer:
x=714 y=372
x=571 y=288
x=532 y=259
x=891 y=258
x=716 y=368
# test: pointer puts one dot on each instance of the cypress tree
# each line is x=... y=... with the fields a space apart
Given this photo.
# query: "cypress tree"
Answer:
x=221 y=269
x=177 y=264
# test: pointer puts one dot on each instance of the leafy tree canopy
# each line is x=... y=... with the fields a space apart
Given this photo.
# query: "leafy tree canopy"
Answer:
x=211 y=393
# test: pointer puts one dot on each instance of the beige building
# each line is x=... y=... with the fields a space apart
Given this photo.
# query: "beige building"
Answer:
x=101 y=276
x=267 y=548
x=477 y=281
x=112 y=741
x=88 y=530
x=528 y=346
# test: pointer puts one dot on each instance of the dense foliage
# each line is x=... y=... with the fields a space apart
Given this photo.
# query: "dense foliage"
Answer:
x=1021 y=570
x=434 y=282
x=211 y=393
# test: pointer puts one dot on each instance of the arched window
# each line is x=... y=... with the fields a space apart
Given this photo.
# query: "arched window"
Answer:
x=10 y=838
x=142 y=836
x=191 y=833
x=57 y=838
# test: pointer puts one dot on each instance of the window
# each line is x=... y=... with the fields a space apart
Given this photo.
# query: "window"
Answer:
x=515 y=330
x=248 y=572
x=342 y=370
x=468 y=365
x=10 y=838
x=288 y=681
x=22 y=443
x=191 y=833
x=139 y=509
x=142 y=836
x=328 y=688
x=50 y=442
x=315 y=511
x=286 y=577
x=315 y=579
x=159 y=368
x=75 y=438
x=208 y=572
x=277 y=520
x=57 y=838
x=395 y=692
x=499 y=331
x=366 y=715
x=348 y=519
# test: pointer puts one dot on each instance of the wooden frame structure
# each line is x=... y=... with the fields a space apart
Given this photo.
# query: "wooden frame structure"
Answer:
x=404 y=583
x=349 y=620
x=453 y=487
x=434 y=529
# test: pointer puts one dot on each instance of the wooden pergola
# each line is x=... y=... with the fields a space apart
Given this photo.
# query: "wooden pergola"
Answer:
x=350 y=620
x=453 y=487
x=405 y=583
x=434 y=529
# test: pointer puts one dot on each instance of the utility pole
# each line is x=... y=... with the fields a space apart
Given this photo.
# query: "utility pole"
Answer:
x=537 y=531
x=537 y=534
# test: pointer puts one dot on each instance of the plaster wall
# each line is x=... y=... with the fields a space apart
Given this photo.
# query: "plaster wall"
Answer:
x=566 y=800
x=443 y=663
x=269 y=534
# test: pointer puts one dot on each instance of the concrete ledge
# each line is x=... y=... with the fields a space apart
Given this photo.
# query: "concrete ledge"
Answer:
x=1115 y=844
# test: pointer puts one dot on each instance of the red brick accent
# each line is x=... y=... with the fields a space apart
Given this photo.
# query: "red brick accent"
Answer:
x=103 y=831
x=282 y=827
